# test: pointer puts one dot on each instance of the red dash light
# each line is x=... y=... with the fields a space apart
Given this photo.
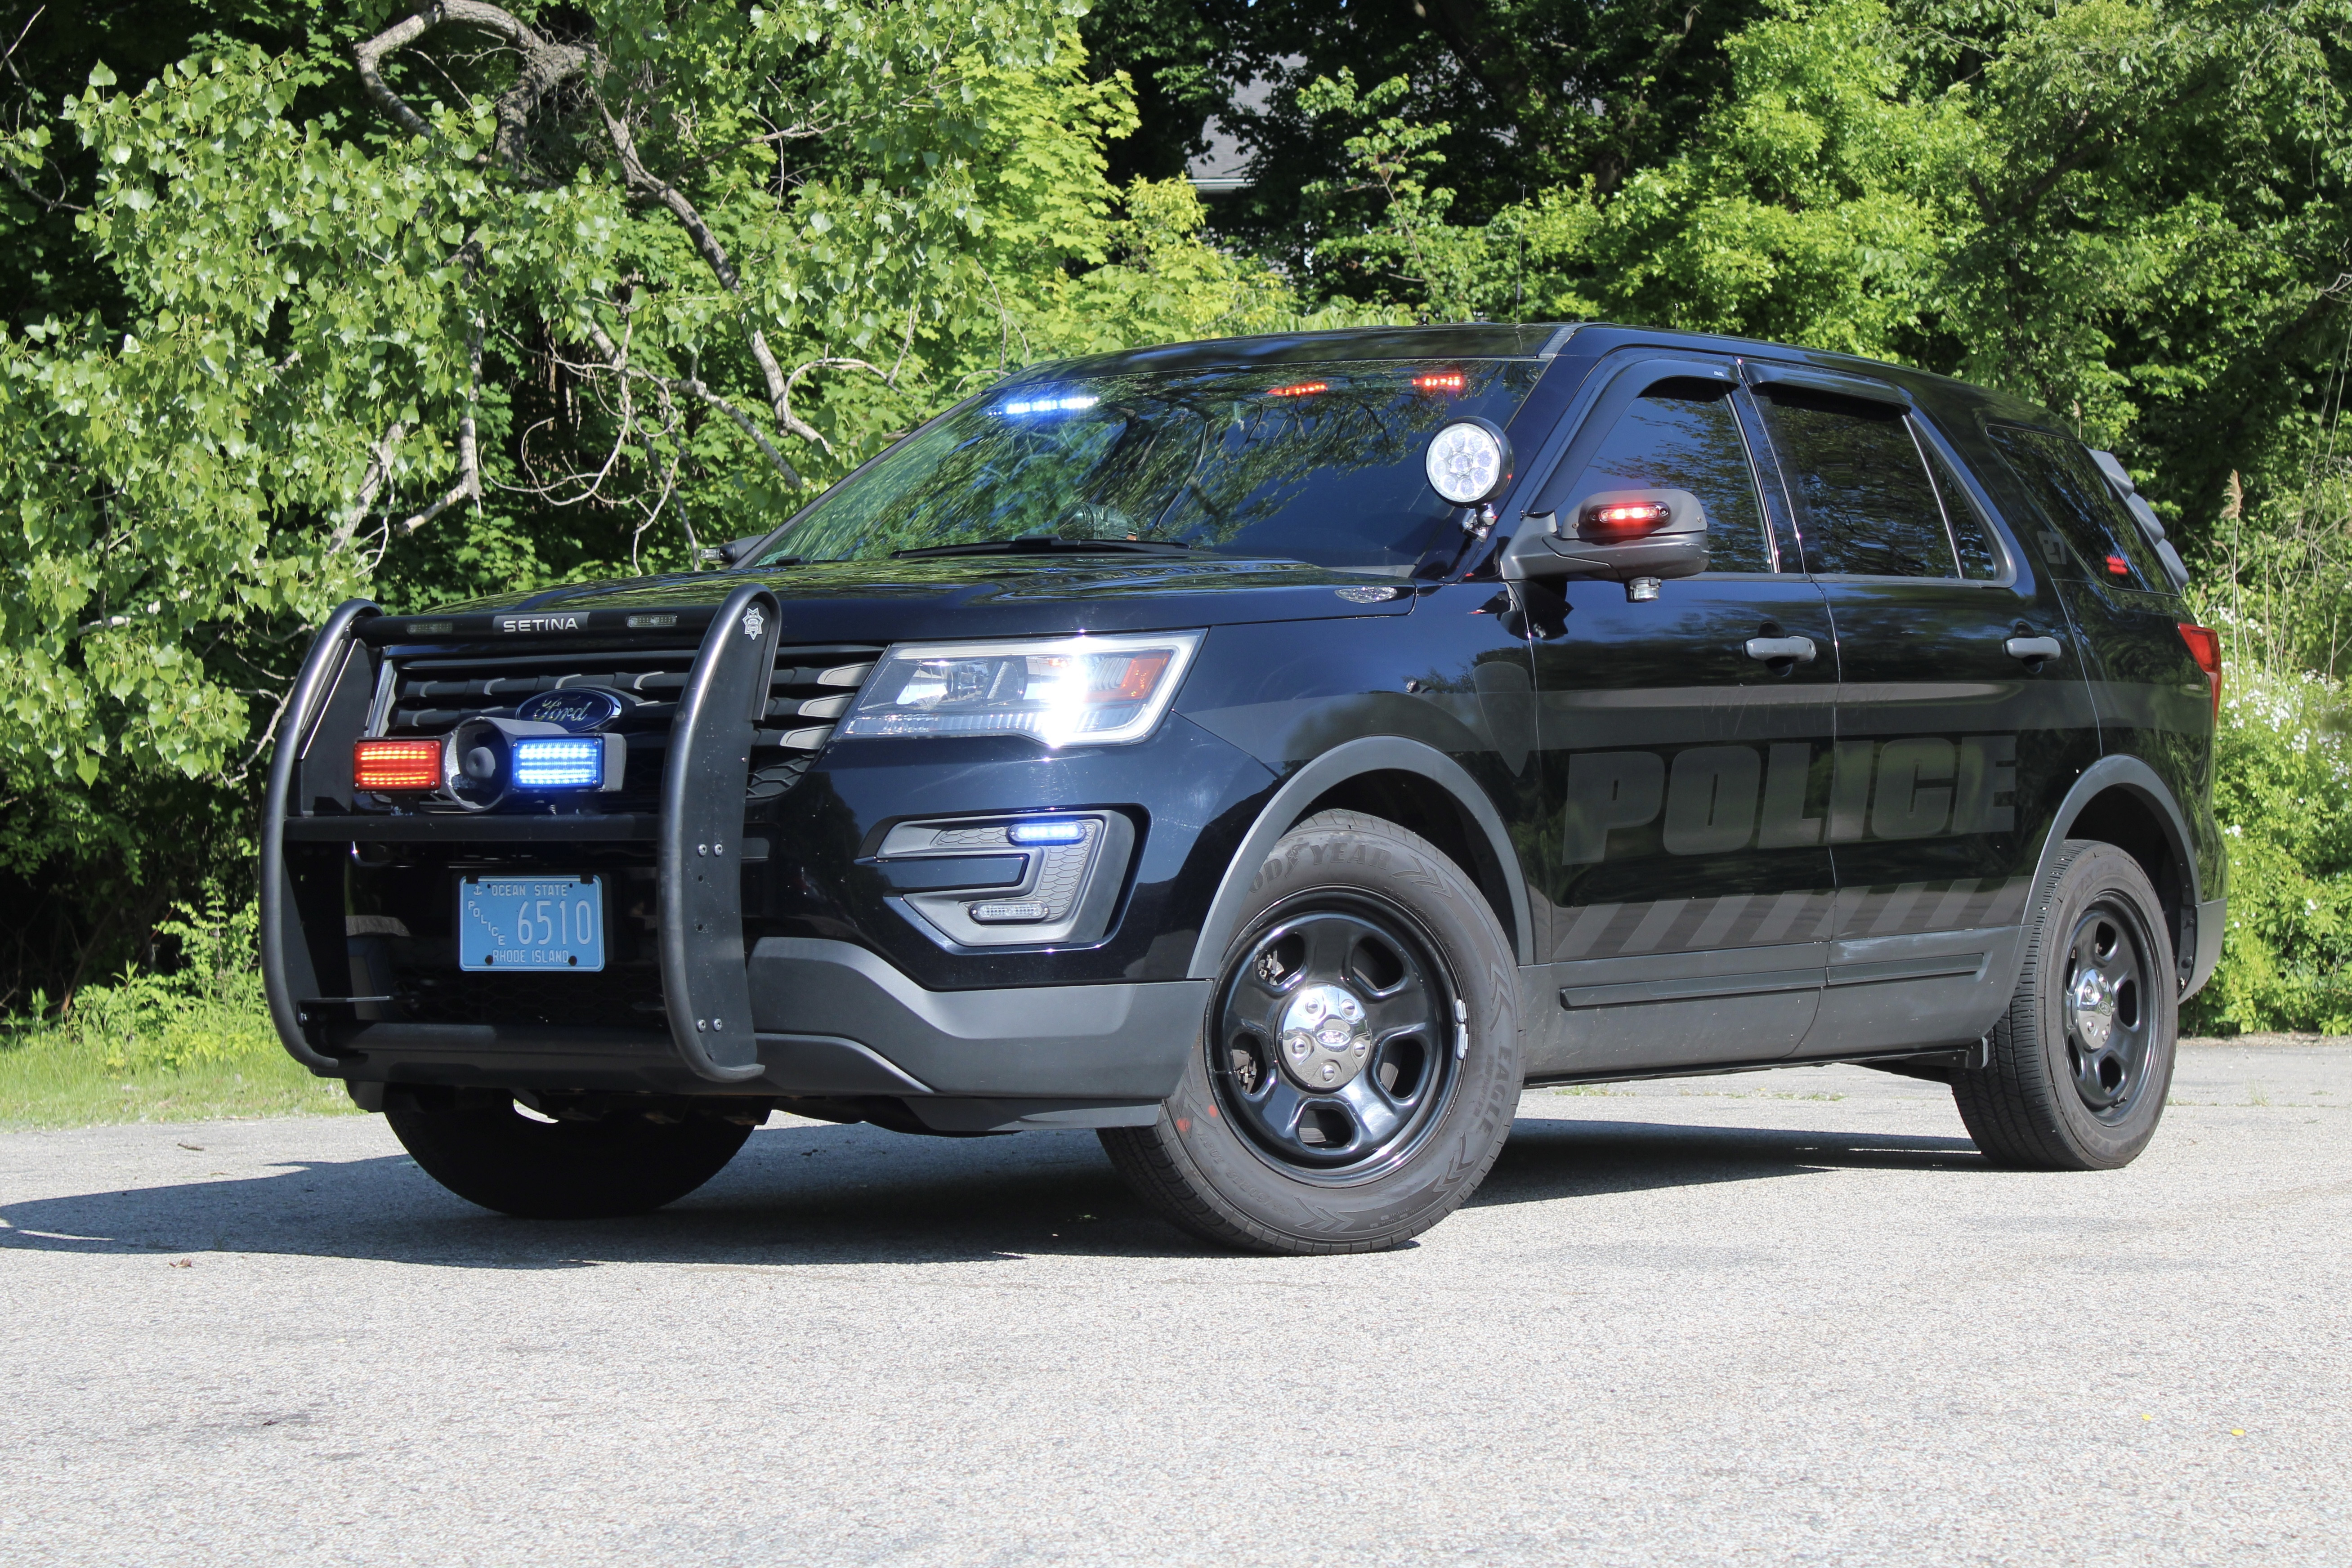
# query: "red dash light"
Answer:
x=1628 y=520
x=2205 y=647
x=383 y=767
x=1442 y=380
x=2118 y=567
x=1298 y=389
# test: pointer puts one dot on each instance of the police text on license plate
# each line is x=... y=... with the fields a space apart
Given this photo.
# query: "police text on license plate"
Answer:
x=531 y=923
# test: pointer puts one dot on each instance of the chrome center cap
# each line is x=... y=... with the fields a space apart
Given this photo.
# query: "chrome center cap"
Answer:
x=1324 y=1042
x=2093 y=1003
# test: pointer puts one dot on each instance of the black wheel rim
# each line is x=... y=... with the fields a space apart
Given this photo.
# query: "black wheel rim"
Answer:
x=2109 y=1022
x=1334 y=1046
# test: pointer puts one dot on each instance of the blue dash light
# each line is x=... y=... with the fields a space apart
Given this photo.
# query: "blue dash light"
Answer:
x=1062 y=831
x=558 y=762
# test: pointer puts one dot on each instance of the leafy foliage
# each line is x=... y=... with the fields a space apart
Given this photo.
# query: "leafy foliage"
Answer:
x=2285 y=799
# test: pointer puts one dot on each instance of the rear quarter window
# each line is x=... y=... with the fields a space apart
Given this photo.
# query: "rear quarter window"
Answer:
x=2074 y=500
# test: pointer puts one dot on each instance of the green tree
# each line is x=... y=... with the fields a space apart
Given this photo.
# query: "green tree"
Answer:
x=550 y=294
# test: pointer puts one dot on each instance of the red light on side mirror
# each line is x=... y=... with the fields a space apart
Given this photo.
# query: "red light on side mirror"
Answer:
x=2205 y=647
x=383 y=767
x=1625 y=519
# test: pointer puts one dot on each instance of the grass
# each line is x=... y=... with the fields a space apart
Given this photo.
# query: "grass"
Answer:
x=58 y=1076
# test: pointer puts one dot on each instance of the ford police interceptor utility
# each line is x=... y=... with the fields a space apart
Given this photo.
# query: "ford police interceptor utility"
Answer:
x=1275 y=753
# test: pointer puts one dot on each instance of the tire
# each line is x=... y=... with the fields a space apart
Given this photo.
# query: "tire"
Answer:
x=1302 y=1128
x=620 y=1165
x=2079 y=1069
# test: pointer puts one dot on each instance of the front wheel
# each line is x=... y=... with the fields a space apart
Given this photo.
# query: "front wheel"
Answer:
x=621 y=1163
x=2083 y=1060
x=1359 y=1066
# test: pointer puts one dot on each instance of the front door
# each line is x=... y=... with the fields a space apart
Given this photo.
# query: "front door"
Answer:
x=1685 y=894
x=1963 y=713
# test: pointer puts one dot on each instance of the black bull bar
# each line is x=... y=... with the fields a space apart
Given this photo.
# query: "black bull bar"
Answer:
x=697 y=834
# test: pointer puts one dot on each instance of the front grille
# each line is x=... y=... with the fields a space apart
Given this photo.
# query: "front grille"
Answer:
x=810 y=689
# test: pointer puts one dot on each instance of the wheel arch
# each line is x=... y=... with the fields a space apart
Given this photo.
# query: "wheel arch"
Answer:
x=2122 y=801
x=1405 y=782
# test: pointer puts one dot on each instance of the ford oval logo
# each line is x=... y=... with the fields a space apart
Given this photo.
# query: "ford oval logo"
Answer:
x=579 y=709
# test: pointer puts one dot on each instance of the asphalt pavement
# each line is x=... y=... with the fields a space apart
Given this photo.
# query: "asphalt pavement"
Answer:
x=1782 y=1318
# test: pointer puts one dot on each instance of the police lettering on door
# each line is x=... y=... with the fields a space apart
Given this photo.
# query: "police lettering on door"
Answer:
x=1710 y=800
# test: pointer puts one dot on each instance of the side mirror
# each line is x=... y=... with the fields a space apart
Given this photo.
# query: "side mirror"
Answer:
x=1635 y=537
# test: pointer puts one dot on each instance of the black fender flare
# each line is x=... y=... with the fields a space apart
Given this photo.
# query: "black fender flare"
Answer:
x=1353 y=759
x=2130 y=773
x=2136 y=776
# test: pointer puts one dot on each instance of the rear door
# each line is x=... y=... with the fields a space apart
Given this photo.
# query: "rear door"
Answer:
x=1963 y=712
x=1684 y=889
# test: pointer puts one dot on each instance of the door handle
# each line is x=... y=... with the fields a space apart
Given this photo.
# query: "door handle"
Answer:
x=1798 y=651
x=2031 y=648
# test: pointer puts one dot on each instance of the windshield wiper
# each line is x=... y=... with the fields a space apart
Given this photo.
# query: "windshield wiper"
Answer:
x=1046 y=544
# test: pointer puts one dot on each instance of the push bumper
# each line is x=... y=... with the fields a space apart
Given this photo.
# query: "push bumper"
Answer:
x=788 y=1018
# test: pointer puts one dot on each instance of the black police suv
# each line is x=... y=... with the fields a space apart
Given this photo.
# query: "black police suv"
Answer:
x=1276 y=753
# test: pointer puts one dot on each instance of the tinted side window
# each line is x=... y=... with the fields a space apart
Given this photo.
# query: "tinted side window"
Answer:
x=1865 y=503
x=1980 y=557
x=1683 y=435
x=2075 y=499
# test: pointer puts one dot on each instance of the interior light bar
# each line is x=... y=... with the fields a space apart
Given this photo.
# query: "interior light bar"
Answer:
x=1442 y=380
x=559 y=762
x=386 y=767
x=1298 y=389
x=1069 y=404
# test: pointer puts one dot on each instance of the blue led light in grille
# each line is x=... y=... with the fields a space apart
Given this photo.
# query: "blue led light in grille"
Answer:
x=1050 y=832
x=558 y=762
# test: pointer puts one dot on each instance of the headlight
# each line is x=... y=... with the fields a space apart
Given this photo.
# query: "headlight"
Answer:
x=1082 y=690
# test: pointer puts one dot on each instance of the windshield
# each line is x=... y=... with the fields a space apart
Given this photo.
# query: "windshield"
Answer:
x=1320 y=463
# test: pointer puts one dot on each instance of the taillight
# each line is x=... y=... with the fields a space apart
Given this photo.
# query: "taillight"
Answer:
x=385 y=766
x=2205 y=647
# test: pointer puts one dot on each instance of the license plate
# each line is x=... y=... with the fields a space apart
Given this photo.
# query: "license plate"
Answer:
x=531 y=923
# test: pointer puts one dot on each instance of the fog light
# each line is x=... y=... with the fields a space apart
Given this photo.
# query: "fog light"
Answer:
x=385 y=766
x=1062 y=831
x=548 y=762
x=1009 y=913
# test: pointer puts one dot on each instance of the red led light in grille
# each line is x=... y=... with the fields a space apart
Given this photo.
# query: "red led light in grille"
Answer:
x=383 y=766
x=1298 y=389
x=1442 y=380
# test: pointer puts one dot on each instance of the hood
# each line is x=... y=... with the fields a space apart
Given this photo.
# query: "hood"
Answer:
x=937 y=600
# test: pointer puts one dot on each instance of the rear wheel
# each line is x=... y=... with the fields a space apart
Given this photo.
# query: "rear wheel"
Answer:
x=1358 y=1068
x=621 y=1163
x=2083 y=1060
